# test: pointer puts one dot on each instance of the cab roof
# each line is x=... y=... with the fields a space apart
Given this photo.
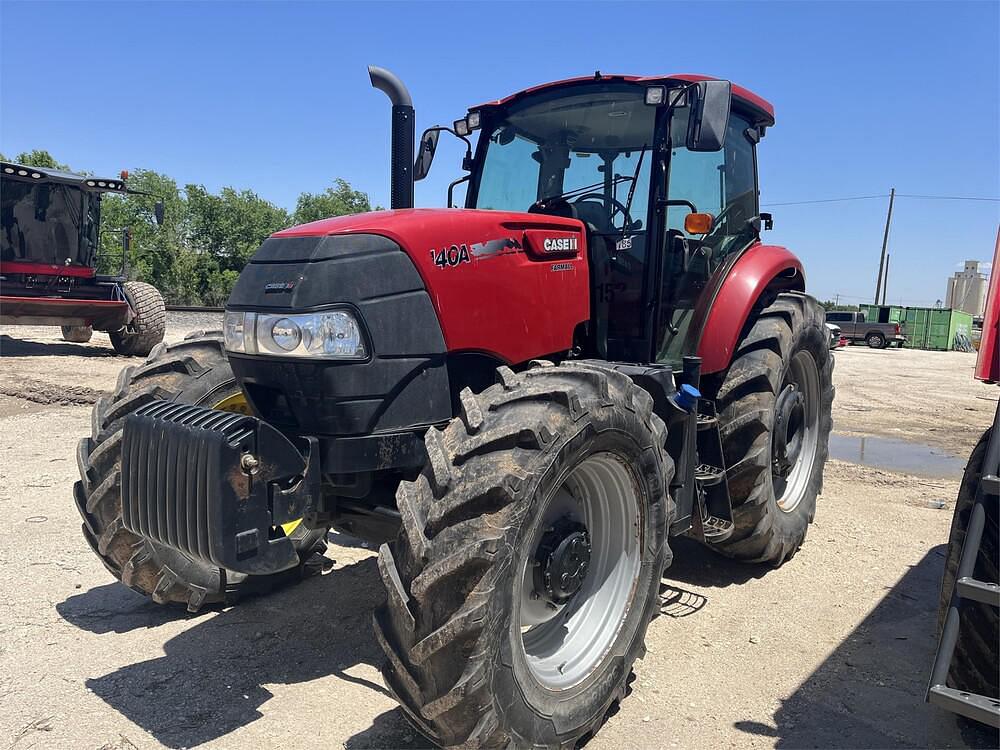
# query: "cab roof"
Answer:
x=24 y=173
x=746 y=99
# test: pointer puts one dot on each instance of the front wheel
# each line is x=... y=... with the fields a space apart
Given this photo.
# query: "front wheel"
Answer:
x=148 y=325
x=774 y=406
x=77 y=334
x=195 y=371
x=529 y=561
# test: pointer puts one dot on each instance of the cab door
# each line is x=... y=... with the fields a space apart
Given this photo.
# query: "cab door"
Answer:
x=724 y=184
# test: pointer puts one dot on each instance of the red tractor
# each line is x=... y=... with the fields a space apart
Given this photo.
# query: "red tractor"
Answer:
x=50 y=223
x=521 y=401
x=966 y=673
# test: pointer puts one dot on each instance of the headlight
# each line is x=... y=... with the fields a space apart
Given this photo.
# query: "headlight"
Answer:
x=334 y=334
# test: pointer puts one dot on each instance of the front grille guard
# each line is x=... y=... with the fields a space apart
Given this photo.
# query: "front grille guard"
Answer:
x=215 y=485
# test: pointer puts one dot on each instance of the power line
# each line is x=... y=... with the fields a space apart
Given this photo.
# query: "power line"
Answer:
x=828 y=200
x=948 y=197
x=886 y=195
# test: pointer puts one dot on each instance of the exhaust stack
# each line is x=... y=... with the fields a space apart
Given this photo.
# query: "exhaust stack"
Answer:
x=403 y=134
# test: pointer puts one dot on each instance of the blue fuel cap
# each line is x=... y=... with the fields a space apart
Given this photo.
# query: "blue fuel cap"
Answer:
x=687 y=397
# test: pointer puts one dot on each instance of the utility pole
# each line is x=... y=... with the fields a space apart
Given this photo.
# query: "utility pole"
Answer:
x=885 y=244
x=885 y=281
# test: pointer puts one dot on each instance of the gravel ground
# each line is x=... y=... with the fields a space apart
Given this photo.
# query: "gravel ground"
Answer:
x=831 y=650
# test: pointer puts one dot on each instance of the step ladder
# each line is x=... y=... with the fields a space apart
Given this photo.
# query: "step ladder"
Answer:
x=982 y=708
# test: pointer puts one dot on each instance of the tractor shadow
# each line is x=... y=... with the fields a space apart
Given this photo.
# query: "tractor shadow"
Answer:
x=697 y=565
x=869 y=692
x=11 y=347
x=213 y=675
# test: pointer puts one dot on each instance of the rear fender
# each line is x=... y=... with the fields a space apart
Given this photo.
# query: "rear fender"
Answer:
x=762 y=268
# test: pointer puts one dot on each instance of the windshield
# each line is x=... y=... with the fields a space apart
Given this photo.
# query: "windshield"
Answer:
x=48 y=223
x=587 y=136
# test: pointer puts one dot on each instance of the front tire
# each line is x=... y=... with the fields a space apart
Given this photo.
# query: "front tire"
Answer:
x=195 y=371
x=774 y=407
x=484 y=648
x=146 y=329
x=77 y=334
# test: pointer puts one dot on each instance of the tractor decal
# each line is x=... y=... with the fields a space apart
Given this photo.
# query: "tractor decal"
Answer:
x=449 y=257
x=493 y=248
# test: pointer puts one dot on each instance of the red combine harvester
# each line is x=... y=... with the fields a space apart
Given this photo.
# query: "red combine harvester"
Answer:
x=966 y=673
x=521 y=401
x=50 y=223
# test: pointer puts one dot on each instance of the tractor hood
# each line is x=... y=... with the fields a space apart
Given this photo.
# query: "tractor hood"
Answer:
x=511 y=285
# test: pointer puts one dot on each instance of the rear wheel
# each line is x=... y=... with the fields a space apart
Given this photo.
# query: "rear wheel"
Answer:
x=774 y=407
x=77 y=334
x=974 y=666
x=146 y=329
x=875 y=340
x=195 y=372
x=529 y=561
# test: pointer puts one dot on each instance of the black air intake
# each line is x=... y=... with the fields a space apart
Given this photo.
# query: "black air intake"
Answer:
x=403 y=134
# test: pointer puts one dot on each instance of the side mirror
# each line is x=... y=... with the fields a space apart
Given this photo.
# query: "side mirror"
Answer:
x=425 y=153
x=709 y=115
x=158 y=213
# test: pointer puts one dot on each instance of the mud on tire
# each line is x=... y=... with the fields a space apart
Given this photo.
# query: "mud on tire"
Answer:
x=451 y=625
x=146 y=329
x=746 y=399
x=195 y=371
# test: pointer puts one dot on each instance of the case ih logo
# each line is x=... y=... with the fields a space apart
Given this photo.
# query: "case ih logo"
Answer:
x=279 y=287
x=559 y=245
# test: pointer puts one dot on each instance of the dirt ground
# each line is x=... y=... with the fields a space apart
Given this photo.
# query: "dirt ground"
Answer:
x=831 y=650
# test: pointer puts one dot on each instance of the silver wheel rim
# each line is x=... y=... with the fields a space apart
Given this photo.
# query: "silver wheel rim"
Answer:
x=562 y=645
x=791 y=483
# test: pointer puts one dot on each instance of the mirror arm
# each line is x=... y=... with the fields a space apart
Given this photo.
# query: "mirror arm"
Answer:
x=453 y=185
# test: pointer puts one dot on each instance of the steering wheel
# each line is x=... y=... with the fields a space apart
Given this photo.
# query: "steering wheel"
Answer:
x=721 y=224
x=619 y=207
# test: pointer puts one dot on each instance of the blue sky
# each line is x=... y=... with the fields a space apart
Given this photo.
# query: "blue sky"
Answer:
x=275 y=97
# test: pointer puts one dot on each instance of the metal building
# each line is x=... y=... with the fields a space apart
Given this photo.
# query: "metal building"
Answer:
x=967 y=290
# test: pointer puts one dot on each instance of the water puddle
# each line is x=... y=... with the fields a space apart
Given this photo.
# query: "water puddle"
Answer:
x=896 y=455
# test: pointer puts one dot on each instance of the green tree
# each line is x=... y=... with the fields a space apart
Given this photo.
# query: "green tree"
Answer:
x=153 y=248
x=39 y=158
x=231 y=226
x=339 y=200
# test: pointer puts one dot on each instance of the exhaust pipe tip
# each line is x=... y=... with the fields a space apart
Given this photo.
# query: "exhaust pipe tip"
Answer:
x=389 y=84
x=403 y=134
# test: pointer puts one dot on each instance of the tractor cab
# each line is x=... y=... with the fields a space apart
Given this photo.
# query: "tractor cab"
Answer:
x=50 y=270
x=661 y=171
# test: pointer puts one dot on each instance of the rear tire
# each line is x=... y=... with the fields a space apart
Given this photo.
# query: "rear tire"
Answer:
x=146 y=329
x=462 y=661
x=974 y=666
x=195 y=371
x=787 y=343
x=77 y=334
x=875 y=340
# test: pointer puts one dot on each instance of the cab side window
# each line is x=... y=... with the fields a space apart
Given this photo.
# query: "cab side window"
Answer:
x=722 y=183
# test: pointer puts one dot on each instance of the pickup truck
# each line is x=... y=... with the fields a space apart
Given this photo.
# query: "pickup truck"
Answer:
x=855 y=329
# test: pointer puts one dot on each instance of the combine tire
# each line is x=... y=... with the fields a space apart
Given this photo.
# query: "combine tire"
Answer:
x=875 y=340
x=145 y=330
x=77 y=334
x=974 y=665
x=195 y=372
x=774 y=407
x=529 y=561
